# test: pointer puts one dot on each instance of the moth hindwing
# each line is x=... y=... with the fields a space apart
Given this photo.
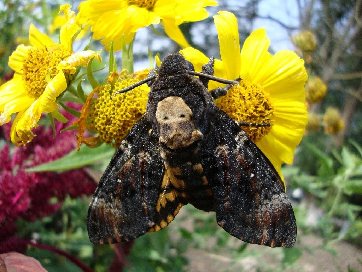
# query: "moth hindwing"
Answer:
x=186 y=150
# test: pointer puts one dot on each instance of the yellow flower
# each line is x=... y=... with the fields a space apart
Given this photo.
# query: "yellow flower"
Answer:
x=315 y=89
x=110 y=20
x=271 y=90
x=112 y=116
x=314 y=122
x=60 y=20
x=332 y=121
x=42 y=71
x=306 y=42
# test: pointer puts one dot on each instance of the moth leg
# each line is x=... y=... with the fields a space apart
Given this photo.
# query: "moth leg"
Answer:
x=208 y=70
x=218 y=92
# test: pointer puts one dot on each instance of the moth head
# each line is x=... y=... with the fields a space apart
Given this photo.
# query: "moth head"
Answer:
x=176 y=127
x=172 y=65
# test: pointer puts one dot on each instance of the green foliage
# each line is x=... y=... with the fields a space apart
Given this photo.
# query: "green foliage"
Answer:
x=337 y=189
x=77 y=159
x=65 y=230
x=157 y=252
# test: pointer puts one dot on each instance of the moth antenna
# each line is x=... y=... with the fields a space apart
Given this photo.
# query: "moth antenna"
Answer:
x=247 y=124
x=139 y=83
x=214 y=78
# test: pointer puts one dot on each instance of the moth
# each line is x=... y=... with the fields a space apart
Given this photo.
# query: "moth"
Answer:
x=186 y=150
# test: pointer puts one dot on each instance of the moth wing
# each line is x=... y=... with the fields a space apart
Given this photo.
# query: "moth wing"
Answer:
x=251 y=203
x=123 y=206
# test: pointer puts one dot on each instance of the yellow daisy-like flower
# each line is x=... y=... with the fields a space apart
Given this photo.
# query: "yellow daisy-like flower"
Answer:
x=110 y=20
x=306 y=42
x=112 y=116
x=42 y=71
x=315 y=89
x=314 y=122
x=332 y=121
x=271 y=90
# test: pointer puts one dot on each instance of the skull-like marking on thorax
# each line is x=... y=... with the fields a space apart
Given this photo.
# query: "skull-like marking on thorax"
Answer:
x=177 y=129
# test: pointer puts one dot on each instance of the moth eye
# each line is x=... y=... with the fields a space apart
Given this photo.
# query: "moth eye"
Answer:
x=182 y=115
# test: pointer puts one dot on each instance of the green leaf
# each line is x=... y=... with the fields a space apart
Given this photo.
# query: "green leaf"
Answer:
x=127 y=56
x=69 y=128
x=115 y=69
x=75 y=75
x=71 y=111
x=326 y=168
x=89 y=43
x=353 y=187
x=50 y=116
x=185 y=233
x=347 y=158
x=150 y=58
x=75 y=35
x=71 y=99
x=76 y=159
x=242 y=247
x=291 y=255
x=92 y=80
x=60 y=117
x=357 y=146
x=80 y=91
x=111 y=59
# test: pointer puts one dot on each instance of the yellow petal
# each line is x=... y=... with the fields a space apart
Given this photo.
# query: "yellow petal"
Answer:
x=13 y=98
x=17 y=58
x=91 y=11
x=285 y=76
x=192 y=10
x=268 y=146
x=111 y=26
x=46 y=102
x=38 y=39
x=141 y=17
x=228 y=33
x=198 y=59
x=165 y=8
x=27 y=120
x=25 y=123
x=174 y=32
x=254 y=56
x=290 y=120
x=69 y=29
x=158 y=61
x=58 y=22
x=13 y=133
x=77 y=59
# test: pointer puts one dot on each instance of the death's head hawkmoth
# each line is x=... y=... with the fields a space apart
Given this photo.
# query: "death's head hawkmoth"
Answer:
x=186 y=150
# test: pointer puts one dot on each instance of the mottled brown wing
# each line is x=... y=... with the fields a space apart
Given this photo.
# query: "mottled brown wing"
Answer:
x=250 y=200
x=124 y=204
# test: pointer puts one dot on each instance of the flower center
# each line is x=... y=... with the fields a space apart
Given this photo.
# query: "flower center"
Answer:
x=148 y=4
x=41 y=66
x=248 y=102
x=113 y=116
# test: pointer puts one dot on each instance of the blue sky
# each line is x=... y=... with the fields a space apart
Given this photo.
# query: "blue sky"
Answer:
x=284 y=11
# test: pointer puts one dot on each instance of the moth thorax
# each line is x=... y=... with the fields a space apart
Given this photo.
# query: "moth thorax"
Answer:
x=177 y=129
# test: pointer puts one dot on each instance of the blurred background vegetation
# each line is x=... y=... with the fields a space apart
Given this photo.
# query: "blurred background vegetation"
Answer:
x=325 y=182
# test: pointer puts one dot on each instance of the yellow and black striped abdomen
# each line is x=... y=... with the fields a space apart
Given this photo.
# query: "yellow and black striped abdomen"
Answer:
x=182 y=185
